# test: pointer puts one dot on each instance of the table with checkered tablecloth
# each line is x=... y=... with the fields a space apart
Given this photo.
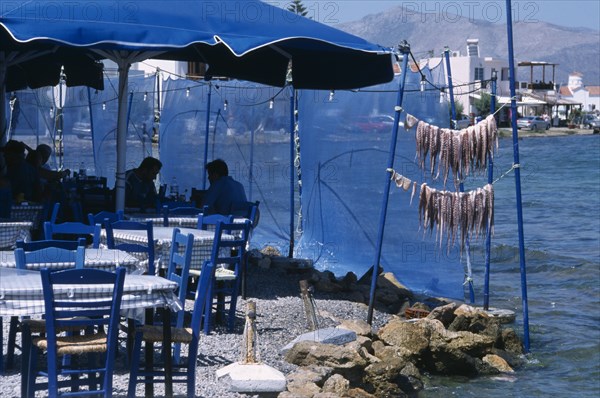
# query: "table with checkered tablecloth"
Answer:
x=105 y=259
x=27 y=212
x=201 y=250
x=11 y=231
x=21 y=292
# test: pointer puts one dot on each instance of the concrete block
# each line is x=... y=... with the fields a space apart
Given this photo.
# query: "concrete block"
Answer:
x=252 y=378
x=335 y=336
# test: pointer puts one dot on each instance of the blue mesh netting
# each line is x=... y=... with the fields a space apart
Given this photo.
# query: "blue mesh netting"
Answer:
x=344 y=156
x=344 y=145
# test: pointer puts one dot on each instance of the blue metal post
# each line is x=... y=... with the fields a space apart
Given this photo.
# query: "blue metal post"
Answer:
x=206 y=133
x=250 y=172
x=461 y=186
x=292 y=151
x=515 y=135
x=404 y=49
x=488 y=237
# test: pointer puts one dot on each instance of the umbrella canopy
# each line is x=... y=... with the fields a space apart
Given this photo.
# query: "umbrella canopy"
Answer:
x=248 y=40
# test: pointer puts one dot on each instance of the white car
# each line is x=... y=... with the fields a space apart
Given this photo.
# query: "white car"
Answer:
x=462 y=123
x=533 y=123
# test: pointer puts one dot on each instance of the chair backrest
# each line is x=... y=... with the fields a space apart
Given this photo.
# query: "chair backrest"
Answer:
x=235 y=251
x=178 y=211
x=207 y=222
x=58 y=257
x=65 y=311
x=104 y=216
x=247 y=210
x=42 y=244
x=180 y=258
x=142 y=247
x=76 y=229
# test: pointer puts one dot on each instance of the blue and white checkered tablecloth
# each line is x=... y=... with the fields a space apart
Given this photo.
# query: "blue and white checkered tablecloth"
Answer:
x=11 y=231
x=21 y=293
x=201 y=251
x=27 y=212
x=105 y=259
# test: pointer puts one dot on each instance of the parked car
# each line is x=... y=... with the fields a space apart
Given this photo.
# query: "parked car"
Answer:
x=373 y=124
x=462 y=123
x=595 y=124
x=533 y=123
x=590 y=120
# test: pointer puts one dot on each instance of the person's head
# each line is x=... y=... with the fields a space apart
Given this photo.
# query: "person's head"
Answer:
x=149 y=168
x=216 y=169
x=44 y=151
x=14 y=152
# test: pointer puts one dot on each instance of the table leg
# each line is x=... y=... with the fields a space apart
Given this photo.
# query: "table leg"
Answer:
x=167 y=352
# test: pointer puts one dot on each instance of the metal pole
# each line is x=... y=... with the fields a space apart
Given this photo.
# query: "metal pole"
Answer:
x=404 y=49
x=461 y=186
x=292 y=151
x=124 y=66
x=92 y=126
x=206 y=133
x=515 y=136
x=488 y=237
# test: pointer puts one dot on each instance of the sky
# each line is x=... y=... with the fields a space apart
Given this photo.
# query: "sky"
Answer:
x=581 y=13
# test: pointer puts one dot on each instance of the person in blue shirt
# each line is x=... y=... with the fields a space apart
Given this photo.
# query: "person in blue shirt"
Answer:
x=224 y=192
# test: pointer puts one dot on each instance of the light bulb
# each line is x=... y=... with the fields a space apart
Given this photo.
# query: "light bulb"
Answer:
x=187 y=92
x=422 y=85
x=271 y=103
x=145 y=96
x=225 y=105
x=331 y=94
x=104 y=106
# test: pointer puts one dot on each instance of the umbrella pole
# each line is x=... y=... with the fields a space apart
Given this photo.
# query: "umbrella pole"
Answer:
x=292 y=169
x=404 y=48
x=124 y=66
x=206 y=133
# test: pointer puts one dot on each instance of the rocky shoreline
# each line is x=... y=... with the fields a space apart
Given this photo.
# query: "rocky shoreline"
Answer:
x=390 y=358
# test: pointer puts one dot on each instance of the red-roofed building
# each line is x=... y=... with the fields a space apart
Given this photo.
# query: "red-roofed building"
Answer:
x=589 y=96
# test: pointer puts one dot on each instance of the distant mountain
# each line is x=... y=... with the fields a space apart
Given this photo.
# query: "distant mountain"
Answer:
x=573 y=49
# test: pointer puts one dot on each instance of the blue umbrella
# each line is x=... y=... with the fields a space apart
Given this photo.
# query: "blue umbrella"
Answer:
x=248 y=40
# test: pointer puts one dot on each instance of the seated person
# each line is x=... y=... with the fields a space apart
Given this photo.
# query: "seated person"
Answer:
x=24 y=178
x=140 y=190
x=224 y=191
x=50 y=180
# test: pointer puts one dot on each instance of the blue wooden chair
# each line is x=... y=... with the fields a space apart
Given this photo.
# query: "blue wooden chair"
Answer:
x=180 y=258
x=74 y=229
x=38 y=253
x=42 y=244
x=185 y=372
x=178 y=211
x=247 y=210
x=209 y=222
x=50 y=255
x=141 y=247
x=100 y=316
x=102 y=217
x=229 y=256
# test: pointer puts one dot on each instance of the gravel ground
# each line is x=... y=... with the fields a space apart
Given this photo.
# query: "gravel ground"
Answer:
x=281 y=318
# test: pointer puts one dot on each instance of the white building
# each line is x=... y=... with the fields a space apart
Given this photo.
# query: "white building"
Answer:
x=588 y=97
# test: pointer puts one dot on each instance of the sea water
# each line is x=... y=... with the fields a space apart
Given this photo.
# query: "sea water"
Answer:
x=560 y=179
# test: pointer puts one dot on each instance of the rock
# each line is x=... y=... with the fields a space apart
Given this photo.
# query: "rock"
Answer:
x=358 y=326
x=310 y=374
x=468 y=311
x=511 y=342
x=498 y=363
x=358 y=393
x=336 y=384
x=301 y=389
x=413 y=378
x=326 y=395
x=343 y=360
x=349 y=281
x=388 y=280
x=264 y=263
x=409 y=335
x=444 y=314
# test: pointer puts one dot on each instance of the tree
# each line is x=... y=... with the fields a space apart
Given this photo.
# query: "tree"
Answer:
x=458 y=107
x=298 y=8
x=483 y=104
